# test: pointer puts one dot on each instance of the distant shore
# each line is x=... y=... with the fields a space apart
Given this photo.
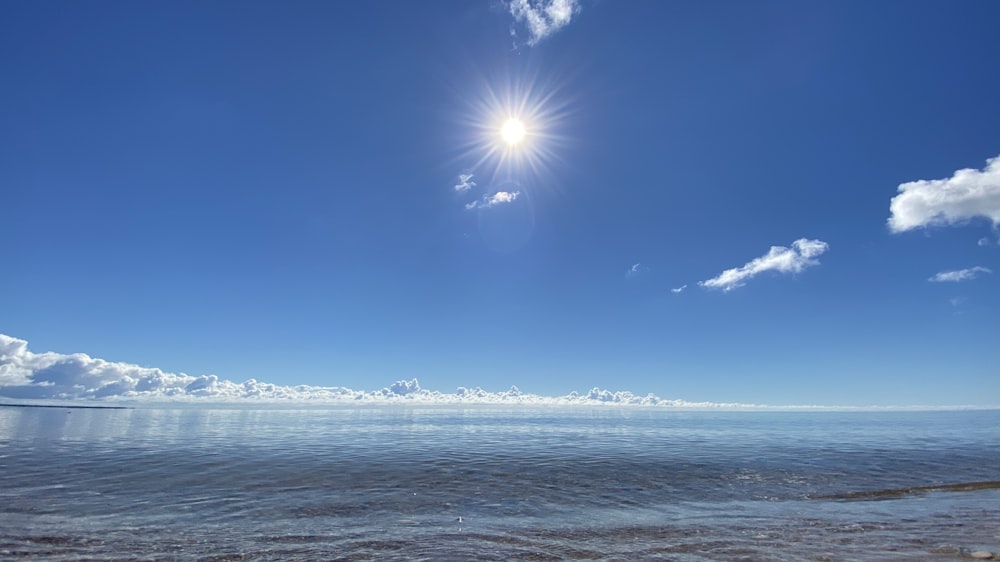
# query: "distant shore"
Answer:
x=73 y=406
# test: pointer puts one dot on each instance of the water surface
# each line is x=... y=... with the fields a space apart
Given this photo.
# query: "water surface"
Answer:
x=493 y=483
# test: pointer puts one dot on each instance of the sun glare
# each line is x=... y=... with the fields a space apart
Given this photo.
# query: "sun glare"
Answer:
x=512 y=131
x=515 y=124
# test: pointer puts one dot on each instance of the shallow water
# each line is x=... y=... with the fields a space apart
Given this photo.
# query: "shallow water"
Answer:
x=496 y=484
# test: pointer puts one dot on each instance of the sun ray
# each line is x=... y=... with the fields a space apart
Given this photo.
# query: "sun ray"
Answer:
x=512 y=128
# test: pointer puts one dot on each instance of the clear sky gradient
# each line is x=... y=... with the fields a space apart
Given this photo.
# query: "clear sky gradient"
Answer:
x=318 y=193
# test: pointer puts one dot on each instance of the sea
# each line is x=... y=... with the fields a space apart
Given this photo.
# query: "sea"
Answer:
x=423 y=482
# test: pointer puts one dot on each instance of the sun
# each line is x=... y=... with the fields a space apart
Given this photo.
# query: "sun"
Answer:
x=517 y=124
x=512 y=131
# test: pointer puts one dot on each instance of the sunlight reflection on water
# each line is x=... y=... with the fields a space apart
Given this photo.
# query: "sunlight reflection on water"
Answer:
x=505 y=482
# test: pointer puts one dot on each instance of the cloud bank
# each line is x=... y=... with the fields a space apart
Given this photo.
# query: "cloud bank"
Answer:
x=959 y=275
x=779 y=258
x=25 y=375
x=542 y=18
x=498 y=198
x=965 y=195
x=55 y=376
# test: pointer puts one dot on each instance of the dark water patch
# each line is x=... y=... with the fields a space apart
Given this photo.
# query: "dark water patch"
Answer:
x=893 y=493
x=226 y=557
x=295 y=539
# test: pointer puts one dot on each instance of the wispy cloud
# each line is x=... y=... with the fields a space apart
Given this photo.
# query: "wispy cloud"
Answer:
x=635 y=270
x=959 y=275
x=679 y=289
x=965 y=195
x=465 y=182
x=498 y=198
x=542 y=18
x=779 y=258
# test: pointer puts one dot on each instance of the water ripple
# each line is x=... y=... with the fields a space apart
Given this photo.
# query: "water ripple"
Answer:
x=488 y=484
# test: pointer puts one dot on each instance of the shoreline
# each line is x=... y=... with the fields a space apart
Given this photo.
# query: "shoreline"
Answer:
x=73 y=406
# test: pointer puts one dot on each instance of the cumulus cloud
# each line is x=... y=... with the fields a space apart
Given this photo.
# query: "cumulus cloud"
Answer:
x=984 y=242
x=24 y=374
x=498 y=198
x=465 y=182
x=679 y=289
x=959 y=275
x=28 y=375
x=779 y=258
x=542 y=18
x=55 y=376
x=965 y=195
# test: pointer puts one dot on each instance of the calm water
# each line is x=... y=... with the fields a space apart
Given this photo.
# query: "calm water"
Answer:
x=496 y=484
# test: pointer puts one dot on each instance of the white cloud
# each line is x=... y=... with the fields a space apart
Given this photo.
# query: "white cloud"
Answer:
x=635 y=270
x=967 y=194
x=503 y=197
x=778 y=258
x=959 y=275
x=679 y=289
x=542 y=17
x=498 y=198
x=25 y=375
x=465 y=182
x=28 y=375
x=54 y=376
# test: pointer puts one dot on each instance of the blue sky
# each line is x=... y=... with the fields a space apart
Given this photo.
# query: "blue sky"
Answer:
x=318 y=193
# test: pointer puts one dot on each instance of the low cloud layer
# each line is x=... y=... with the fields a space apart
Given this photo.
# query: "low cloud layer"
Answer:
x=959 y=275
x=542 y=18
x=27 y=375
x=965 y=195
x=801 y=255
x=49 y=377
